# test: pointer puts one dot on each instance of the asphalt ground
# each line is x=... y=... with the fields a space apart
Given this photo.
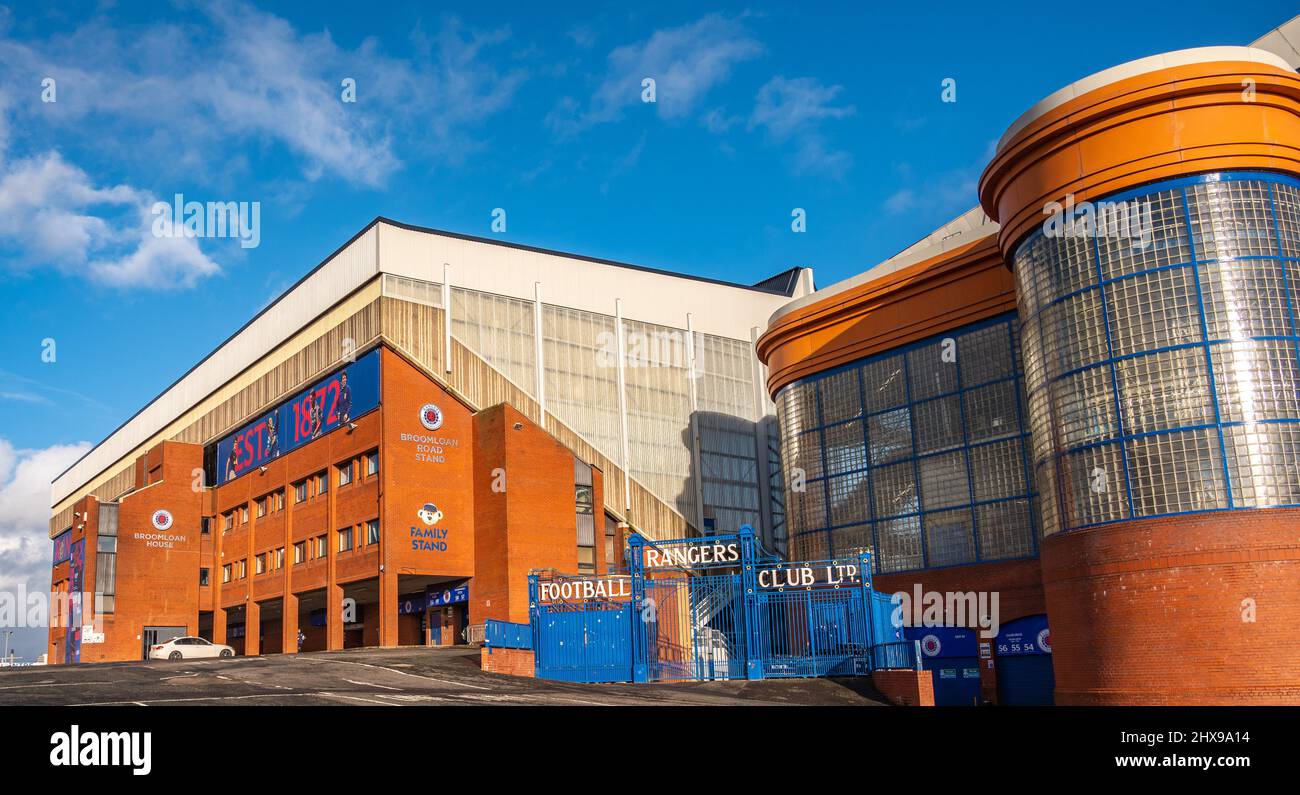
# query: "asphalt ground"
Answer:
x=385 y=677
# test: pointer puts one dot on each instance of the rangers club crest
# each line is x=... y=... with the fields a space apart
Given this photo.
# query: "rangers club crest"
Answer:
x=162 y=519
x=1045 y=640
x=431 y=416
x=930 y=645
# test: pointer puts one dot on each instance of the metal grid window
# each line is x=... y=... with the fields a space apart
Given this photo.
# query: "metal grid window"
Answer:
x=912 y=452
x=1177 y=389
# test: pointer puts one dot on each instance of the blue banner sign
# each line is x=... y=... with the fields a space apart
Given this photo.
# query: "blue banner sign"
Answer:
x=328 y=404
x=434 y=597
x=944 y=641
x=62 y=546
x=1028 y=635
x=448 y=596
x=76 y=585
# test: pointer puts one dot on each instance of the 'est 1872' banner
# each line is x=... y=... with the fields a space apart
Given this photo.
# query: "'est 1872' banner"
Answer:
x=312 y=413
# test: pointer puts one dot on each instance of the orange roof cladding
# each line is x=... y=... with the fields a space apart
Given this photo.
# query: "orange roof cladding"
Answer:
x=964 y=285
x=1176 y=121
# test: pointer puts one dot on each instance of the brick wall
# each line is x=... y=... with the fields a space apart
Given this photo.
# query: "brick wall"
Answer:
x=515 y=662
x=1018 y=583
x=532 y=524
x=904 y=687
x=1151 y=611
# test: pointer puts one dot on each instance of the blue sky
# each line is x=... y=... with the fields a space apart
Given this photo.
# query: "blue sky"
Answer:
x=462 y=108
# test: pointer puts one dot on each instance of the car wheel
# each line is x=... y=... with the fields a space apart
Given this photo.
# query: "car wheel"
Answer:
x=174 y=655
x=227 y=653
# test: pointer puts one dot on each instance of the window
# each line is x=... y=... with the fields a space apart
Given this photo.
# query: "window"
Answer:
x=106 y=560
x=260 y=563
x=586 y=520
x=345 y=540
x=372 y=531
x=300 y=491
x=205 y=525
x=279 y=500
x=261 y=507
x=243 y=569
x=320 y=546
x=229 y=524
x=299 y=552
x=279 y=558
x=372 y=463
x=243 y=514
x=611 y=529
x=345 y=473
x=225 y=573
x=203 y=576
x=322 y=484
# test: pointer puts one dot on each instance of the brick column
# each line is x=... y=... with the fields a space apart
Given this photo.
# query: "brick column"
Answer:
x=387 y=608
x=252 y=628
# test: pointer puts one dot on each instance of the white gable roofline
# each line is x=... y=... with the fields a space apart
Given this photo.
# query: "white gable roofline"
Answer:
x=579 y=282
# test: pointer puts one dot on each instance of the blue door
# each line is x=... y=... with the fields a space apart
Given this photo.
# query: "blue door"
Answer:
x=1024 y=663
x=1026 y=680
x=950 y=654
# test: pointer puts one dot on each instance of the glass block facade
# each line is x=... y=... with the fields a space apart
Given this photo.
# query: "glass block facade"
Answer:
x=920 y=453
x=1161 y=364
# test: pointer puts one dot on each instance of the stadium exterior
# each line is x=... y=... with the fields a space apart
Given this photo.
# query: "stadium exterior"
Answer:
x=381 y=455
x=1082 y=395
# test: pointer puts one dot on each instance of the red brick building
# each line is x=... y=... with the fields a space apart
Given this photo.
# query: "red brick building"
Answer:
x=378 y=459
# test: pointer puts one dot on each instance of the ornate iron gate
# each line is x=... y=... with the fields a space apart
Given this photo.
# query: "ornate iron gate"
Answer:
x=711 y=608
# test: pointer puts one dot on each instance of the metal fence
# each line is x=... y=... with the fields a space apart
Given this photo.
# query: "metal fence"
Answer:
x=505 y=635
x=713 y=608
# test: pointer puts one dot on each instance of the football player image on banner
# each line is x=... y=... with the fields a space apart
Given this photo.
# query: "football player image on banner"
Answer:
x=331 y=402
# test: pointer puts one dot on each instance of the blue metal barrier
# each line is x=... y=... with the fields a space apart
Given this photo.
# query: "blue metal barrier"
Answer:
x=904 y=654
x=506 y=635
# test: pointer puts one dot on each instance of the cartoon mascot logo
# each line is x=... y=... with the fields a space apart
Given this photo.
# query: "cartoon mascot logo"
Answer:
x=429 y=514
x=930 y=645
x=1045 y=640
x=431 y=416
x=162 y=520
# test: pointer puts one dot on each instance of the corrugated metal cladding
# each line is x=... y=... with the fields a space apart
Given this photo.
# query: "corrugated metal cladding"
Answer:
x=295 y=309
x=493 y=315
x=580 y=364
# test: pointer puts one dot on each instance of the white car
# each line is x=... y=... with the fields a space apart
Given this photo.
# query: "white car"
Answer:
x=188 y=649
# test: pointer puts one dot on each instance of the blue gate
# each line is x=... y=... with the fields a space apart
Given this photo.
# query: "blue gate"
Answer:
x=580 y=632
x=713 y=608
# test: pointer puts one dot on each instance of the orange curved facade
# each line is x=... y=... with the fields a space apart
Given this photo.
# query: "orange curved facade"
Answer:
x=1155 y=607
x=1158 y=125
x=965 y=285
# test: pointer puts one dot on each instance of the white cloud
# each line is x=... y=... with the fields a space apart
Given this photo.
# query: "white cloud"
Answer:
x=184 y=95
x=793 y=110
x=25 y=548
x=25 y=477
x=54 y=216
x=686 y=63
x=939 y=196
